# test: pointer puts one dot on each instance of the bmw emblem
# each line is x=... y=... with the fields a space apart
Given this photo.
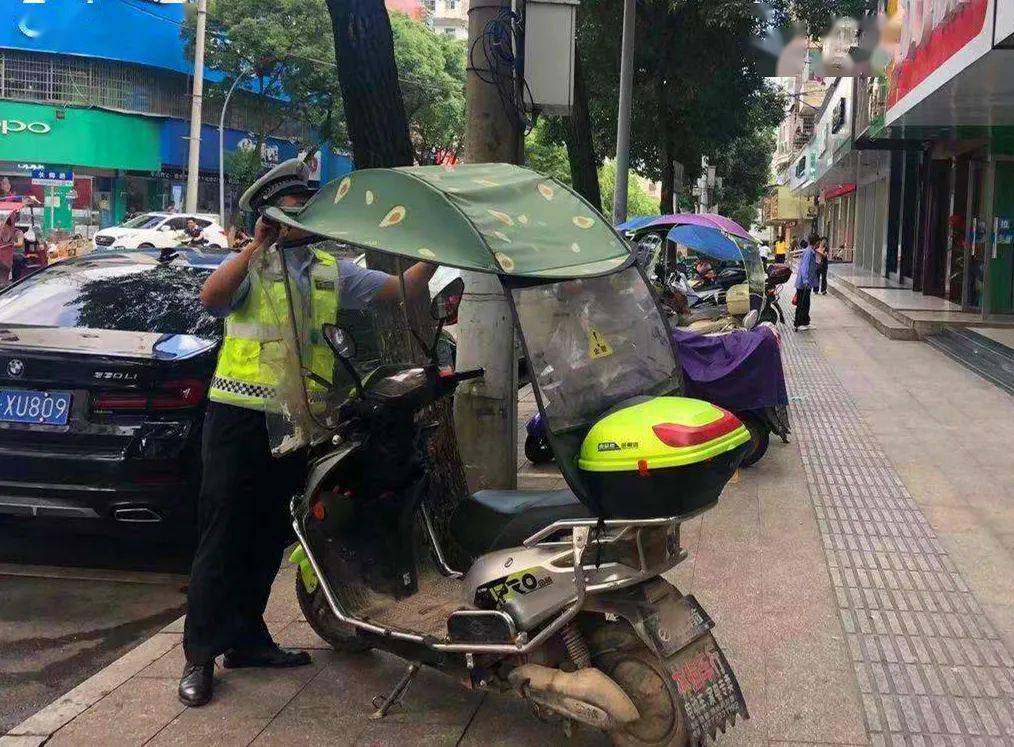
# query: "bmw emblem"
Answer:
x=15 y=367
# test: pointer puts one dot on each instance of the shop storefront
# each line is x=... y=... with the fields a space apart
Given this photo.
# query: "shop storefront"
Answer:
x=950 y=105
x=102 y=149
x=169 y=181
x=838 y=210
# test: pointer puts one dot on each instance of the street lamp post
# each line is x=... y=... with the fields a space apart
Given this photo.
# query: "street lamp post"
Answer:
x=194 y=157
x=221 y=151
x=623 y=120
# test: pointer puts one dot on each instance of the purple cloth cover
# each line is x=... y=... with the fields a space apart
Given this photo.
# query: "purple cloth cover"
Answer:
x=737 y=371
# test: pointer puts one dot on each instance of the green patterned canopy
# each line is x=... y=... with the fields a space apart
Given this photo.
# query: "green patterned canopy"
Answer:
x=486 y=217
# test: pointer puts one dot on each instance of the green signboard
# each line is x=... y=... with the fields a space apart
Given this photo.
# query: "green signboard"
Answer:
x=35 y=133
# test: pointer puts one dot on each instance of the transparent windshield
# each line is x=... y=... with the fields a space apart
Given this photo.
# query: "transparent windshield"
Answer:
x=755 y=274
x=593 y=343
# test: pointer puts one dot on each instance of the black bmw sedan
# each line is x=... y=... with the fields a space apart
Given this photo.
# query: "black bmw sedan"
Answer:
x=105 y=362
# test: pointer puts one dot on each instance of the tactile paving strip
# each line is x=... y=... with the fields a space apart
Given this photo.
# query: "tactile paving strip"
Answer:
x=930 y=667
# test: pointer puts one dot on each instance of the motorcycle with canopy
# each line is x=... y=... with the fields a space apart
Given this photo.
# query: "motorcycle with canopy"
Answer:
x=556 y=596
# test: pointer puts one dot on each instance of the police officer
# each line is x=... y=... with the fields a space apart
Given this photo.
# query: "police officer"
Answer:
x=243 y=504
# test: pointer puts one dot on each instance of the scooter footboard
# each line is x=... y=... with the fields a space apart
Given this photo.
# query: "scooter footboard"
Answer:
x=678 y=630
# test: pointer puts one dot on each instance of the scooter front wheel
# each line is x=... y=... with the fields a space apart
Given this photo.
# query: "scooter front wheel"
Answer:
x=537 y=449
x=318 y=614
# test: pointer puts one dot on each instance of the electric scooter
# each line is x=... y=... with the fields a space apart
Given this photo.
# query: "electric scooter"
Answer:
x=558 y=597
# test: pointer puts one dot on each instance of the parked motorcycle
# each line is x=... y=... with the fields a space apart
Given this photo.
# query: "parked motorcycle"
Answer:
x=777 y=276
x=740 y=370
x=555 y=596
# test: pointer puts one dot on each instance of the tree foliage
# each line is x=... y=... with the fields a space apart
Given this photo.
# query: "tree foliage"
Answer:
x=639 y=202
x=698 y=88
x=431 y=71
x=286 y=49
x=280 y=48
x=546 y=154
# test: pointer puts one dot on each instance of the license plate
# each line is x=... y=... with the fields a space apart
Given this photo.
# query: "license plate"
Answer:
x=25 y=406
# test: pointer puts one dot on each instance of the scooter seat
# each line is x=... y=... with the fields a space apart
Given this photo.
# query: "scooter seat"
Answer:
x=497 y=519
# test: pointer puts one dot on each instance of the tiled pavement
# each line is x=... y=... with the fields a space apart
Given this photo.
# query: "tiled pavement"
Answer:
x=928 y=661
x=843 y=615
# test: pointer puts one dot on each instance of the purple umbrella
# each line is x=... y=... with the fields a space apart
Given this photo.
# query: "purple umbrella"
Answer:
x=711 y=220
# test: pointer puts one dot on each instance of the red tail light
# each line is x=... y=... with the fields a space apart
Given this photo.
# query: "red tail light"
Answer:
x=674 y=434
x=170 y=395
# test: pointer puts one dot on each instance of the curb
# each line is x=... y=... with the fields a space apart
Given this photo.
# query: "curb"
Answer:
x=40 y=726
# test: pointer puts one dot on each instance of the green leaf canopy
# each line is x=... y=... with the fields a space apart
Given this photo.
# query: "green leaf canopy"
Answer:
x=494 y=218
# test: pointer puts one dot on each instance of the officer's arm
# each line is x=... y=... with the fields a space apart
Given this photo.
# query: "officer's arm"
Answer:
x=417 y=277
x=218 y=289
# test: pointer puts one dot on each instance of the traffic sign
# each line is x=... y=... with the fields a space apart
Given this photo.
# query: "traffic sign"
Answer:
x=53 y=177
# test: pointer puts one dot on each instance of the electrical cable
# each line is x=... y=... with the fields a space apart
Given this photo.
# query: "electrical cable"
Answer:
x=499 y=39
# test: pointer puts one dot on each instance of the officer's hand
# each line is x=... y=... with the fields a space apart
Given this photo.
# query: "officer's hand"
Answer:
x=265 y=232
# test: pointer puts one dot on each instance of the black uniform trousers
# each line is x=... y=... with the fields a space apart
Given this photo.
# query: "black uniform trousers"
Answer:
x=822 y=277
x=802 y=308
x=244 y=526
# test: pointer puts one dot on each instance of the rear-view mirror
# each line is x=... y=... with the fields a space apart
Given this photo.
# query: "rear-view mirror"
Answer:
x=340 y=341
x=444 y=307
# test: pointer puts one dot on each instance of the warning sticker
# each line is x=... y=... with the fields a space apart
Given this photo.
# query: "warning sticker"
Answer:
x=597 y=345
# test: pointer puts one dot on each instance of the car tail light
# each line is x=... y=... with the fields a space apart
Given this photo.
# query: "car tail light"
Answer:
x=174 y=395
x=170 y=395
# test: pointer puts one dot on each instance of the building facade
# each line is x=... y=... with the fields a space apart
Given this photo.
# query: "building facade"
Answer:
x=914 y=170
x=102 y=91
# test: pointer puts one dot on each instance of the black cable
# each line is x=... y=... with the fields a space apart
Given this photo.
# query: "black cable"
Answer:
x=499 y=39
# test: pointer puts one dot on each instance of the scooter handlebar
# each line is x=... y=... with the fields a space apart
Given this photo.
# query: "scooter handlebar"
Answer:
x=475 y=373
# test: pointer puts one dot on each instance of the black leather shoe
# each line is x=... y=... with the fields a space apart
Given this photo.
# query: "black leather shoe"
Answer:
x=197 y=684
x=268 y=656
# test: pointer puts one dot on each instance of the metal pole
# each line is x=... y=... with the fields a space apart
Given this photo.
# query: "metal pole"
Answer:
x=221 y=151
x=623 y=120
x=194 y=161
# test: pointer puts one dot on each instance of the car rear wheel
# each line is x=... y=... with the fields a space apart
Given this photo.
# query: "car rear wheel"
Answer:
x=146 y=245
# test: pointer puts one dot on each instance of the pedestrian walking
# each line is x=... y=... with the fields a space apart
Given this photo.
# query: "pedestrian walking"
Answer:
x=243 y=520
x=823 y=259
x=781 y=248
x=806 y=281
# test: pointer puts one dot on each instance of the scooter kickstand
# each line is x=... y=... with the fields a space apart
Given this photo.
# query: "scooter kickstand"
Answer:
x=386 y=703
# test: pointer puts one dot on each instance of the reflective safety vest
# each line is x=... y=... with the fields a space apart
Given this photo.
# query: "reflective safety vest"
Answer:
x=249 y=362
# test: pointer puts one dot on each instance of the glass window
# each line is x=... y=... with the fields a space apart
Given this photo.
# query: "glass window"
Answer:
x=593 y=343
x=147 y=220
x=177 y=224
x=120 y=295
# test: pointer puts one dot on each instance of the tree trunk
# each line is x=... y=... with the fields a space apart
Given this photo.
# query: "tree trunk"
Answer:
x=374 y=108
x=379 y=136
x=584 y=173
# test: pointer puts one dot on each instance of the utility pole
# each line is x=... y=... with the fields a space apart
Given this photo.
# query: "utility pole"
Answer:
x=486 y=410
x=623 y=120
x=194 y=160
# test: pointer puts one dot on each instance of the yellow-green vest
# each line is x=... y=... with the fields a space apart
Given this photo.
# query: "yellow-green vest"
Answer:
x=247 y=374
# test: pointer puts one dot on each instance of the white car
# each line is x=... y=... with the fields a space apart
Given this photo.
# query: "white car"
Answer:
x=159 y=231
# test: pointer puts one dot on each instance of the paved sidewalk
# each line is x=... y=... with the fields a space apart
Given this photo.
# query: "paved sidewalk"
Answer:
x=860 y=579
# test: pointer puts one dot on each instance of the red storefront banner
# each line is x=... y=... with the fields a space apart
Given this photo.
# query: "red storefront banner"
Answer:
x=944 y=41
x=842 y=189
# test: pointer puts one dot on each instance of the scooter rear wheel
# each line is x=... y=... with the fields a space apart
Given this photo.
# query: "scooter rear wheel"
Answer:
x=620 y=654
x=759 y=439
x=318 y=614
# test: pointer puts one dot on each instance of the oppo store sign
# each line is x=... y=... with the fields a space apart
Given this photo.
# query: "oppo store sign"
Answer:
x=14 y=126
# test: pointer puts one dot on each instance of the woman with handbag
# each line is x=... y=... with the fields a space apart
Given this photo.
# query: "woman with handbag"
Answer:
x=806 y=281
